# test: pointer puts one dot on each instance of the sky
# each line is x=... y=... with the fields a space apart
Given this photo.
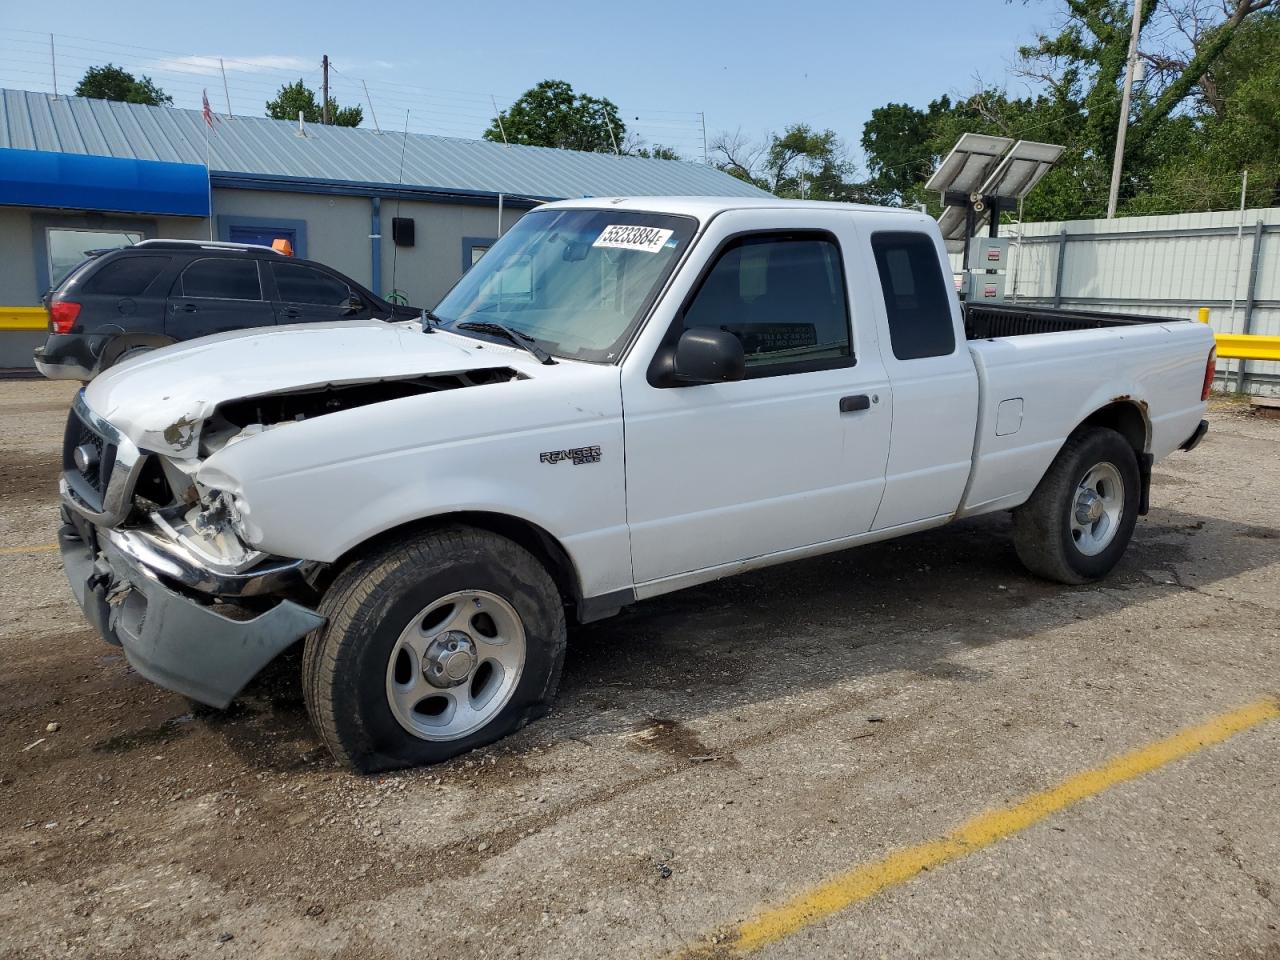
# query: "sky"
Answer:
x=745 y=66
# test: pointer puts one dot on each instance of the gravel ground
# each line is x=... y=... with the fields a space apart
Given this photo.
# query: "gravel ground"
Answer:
x=712 y=751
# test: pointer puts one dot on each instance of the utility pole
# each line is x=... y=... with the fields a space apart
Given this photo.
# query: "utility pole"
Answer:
x=53 y=65
x=324 y=108
x=1123 y=127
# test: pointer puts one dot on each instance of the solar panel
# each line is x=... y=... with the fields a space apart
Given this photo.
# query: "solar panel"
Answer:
x=969 y=163
x=1021 y=169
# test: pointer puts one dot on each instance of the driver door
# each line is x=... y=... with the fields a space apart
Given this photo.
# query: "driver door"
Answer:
x=791 y=456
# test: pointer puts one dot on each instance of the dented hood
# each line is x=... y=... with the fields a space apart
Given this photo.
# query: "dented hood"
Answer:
x=160 y=399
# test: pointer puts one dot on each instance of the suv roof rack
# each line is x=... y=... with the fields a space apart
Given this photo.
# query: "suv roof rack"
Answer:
x=205 y=245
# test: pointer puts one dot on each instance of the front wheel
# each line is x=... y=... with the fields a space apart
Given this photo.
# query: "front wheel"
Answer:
x=1078 y=522
x=432 y=648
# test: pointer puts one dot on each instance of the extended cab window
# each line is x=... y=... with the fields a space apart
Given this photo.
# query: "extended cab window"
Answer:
x=299 y=284
x=224 y=279
x=783 y=296
x=128 y=276
x=916 y=297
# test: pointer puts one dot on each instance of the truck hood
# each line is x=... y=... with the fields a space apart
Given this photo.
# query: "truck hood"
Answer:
x=161 y=400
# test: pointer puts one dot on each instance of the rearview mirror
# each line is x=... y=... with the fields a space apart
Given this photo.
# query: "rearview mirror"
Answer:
x=708 y=355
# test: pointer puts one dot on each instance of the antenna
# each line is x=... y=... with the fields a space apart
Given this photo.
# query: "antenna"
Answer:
x=395 y=248
x=498 y=116
x=53 y=65
x=225 y=90
x=369 y=101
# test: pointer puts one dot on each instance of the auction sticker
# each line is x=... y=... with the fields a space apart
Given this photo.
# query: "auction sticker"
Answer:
x=625 y=236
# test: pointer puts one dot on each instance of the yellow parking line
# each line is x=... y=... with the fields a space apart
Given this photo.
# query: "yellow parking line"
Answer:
x=30 y=548
x=775 y=923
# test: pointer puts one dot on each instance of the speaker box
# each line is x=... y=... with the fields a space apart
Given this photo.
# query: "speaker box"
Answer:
x=402 y=231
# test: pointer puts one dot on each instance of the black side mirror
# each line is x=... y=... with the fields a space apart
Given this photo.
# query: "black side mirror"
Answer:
x=353 y=305
x=707 y=355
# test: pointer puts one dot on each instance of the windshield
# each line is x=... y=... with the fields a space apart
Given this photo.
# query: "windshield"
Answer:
x=577 y=281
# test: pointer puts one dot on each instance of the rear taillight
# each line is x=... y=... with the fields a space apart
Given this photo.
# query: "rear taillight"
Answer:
x=1210 y=368
x=62 y=315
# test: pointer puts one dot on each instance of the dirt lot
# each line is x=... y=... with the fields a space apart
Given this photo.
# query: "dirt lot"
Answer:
x=713 y=752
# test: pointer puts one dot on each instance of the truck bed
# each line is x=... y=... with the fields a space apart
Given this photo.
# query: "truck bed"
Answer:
x=986 y=321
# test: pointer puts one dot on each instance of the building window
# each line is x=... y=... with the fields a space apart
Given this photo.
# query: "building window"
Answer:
x=69 y=247
x=473 y=248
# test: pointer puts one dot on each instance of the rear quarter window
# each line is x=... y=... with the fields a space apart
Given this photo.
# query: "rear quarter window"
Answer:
x=916 y=297
x=126 y=276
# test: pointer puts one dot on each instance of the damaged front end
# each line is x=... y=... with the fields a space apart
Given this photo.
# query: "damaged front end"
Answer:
x=161 y=547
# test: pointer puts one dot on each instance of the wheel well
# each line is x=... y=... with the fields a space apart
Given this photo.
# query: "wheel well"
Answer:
x=1129 y=419
x=118 y=345
x=537 y=541
x=1125 y=417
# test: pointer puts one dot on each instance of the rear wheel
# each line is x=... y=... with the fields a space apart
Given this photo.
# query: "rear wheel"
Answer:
x=432 y=648
x=1078 y=522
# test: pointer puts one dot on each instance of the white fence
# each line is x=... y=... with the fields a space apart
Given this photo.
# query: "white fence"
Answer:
x=1161 y=266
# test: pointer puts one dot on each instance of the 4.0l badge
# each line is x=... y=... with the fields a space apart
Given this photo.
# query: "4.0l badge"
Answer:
x=579 y=455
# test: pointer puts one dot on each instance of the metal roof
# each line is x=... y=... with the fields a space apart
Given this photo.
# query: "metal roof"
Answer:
x=262 y=147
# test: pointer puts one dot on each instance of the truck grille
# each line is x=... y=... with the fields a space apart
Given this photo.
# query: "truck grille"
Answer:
x=89 y=482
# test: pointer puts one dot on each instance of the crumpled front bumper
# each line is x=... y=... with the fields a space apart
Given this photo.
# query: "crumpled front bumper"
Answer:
x=171 y=639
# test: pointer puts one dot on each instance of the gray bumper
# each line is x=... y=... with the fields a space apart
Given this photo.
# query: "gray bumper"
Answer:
x=170 y=639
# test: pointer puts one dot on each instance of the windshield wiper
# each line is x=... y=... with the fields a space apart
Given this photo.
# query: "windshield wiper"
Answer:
x=515 y=336
x=429 y=321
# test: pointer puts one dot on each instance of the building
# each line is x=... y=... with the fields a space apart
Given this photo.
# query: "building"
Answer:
x=78 y=174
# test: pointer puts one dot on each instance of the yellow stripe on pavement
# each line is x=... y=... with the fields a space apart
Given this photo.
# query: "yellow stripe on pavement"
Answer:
x=776 y=923
x=30 y=548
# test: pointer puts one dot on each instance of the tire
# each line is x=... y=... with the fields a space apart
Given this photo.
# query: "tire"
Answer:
x=1054 y=532
x=128 y=354
x=392 y=616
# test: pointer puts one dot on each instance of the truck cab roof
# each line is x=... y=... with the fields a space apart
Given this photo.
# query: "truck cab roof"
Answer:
x=704 y=208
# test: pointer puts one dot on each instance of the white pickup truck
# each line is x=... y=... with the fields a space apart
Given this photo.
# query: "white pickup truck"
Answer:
x=624 y=397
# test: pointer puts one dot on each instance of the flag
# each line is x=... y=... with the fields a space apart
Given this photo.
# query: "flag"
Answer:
x=207 y=110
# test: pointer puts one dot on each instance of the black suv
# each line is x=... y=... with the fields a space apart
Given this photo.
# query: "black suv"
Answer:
x=126 y=301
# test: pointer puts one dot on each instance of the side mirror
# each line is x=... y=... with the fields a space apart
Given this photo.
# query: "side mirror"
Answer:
x=708 y=355
x=353 y=306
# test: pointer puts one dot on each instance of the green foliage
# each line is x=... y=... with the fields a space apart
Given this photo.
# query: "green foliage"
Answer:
x=551 y=114
x=293 y=97
x=116 y=83
x=657 y=152
x=1210 y=107
x=800 y=162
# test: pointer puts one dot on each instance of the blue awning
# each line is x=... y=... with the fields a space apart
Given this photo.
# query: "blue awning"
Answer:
x=37 y=178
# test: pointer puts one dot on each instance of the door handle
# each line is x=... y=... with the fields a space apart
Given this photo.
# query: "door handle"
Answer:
x=189 y=307
x=291 y=313
x=857 y=402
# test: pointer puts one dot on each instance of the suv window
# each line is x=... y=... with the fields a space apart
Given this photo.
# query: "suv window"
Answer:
x=127 y=276
x=223 y=279
x=915 y=295
x=300 y=284
x=783 y=296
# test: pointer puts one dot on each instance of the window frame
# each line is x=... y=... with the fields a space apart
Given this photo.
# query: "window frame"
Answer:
x=468 y=246
x=293 y=262
x=947 y=290
x=50 y=229
x=671 y=337
x=262 y=290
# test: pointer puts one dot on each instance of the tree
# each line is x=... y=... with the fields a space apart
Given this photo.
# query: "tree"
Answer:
x=800 y=162
x=551 y=114
x=294 y=97
x=657 y=152
x=116 y=83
